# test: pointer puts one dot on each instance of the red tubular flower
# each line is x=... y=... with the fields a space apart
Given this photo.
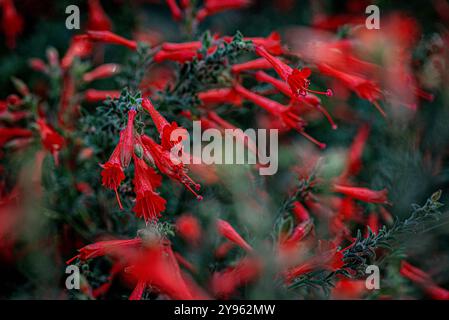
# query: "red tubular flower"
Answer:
x=80 y=46
x=272 y=43
x=423 y=280
x=189 y=228
x=192 y=46
x=300 y=212
x=51 y=140
x=38 y=65
x=127 y=140
x=354 y=159
x=363 y=194
x=156 y=266
x=98 y=20
x=175 y=10
x=164 y=162
x=298 y=234
x=102 y=248
x=285 y=114
x=138 y=290
x=309 y=99
x=93 y=95
x=224 y=283
x=328 y=258
x=212 y=7
x=112 y=38
x=104 y=71
x=112 y=173
x=164 y=128
x=296 y=79
x=220 y=96
x=256 y=64
x=7 y=134
x=180 y=56
x=227 y=231
x=365 y=89
x=12 y=22
x=149 y=204
x=348 y=289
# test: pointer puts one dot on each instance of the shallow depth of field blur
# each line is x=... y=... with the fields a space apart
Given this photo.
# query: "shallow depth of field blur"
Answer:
x=363 y=175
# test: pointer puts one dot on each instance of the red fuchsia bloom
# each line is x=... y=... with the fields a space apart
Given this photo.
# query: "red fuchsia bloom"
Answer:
x=12 y=22
x=149 y=204
x=7 y=134
x=103 y=248
x=220 y=96
x=80 y=47
x=365 y=89
x=212 y=7
x=104 y=71
x=227 y=231
x=112 y=173
x=174 y=9
x=423 y=279
x=308 y=99
x=111 y=38
x=164 y=128
x=164 y=162
x=300 y=212
x=285 y=114
x=180 y=56
x=93 y=95
x=354 y=160
x=98 y=20
x=226 y=282
x=296 y=79
x=51 y=140
x=127 y=140
x=189 y=228
x=328 y=258
x=256 y=64
x=363 y=194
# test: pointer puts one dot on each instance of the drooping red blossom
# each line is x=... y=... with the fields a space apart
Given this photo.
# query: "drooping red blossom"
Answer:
x=8 y=134
x=224 y=283
x=164 y=161
x=328 y=257
x=227 y=231
x=108 y=247
x=180 y=56
x=424 y=280
x=80 y=47
x=93 y=95
x=164 y=128
x=286 y=114
x=212 y=7
x=296 y=79
x=354 y=158
x=51 y=140
x=256 y=64
x=157 y=267
x=175 y=10
x=12 y=22
x=364 y=88
x=127 y=140
x=104 y=71
x=112 y=173
x=149 y=204
x=189 y=228
x=220 y=96
x=111 y=38
x=363 y=194
x=309 y=99
x=98 y=20
x=300 y=212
